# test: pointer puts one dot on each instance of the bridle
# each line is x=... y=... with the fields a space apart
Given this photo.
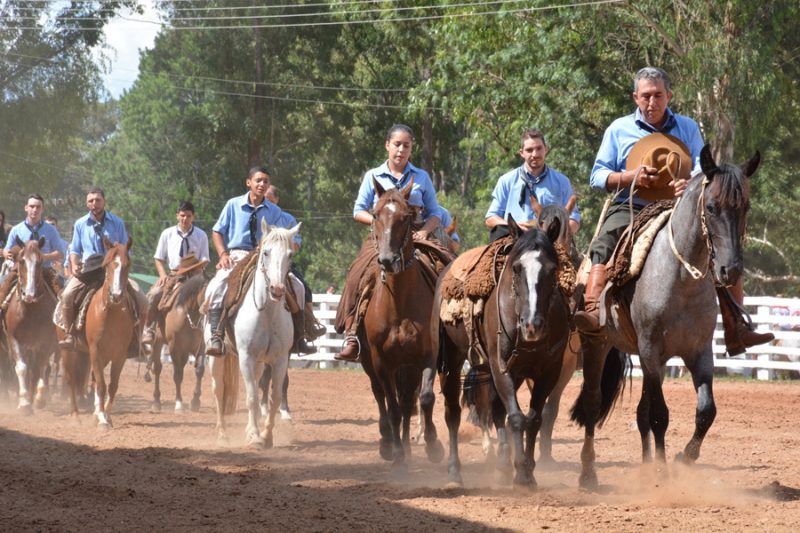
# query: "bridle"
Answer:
x=405 y=263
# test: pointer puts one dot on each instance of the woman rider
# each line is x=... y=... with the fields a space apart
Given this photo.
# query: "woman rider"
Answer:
x=396 y=172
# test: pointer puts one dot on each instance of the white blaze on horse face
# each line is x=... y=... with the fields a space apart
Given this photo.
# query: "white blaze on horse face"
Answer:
x=30 y=283
x=116 y=285
x=532 y=267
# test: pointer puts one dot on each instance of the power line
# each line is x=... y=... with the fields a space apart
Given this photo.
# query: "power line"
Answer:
x=244 y=82
x=354 y=22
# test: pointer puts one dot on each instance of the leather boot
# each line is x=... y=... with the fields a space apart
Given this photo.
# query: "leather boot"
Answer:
x=313 y=328
x=216 y=343
x=588 y=320
x=149 y=334
x=67 y=317
x=739 y=334
x=300 y=344
x=350 y=350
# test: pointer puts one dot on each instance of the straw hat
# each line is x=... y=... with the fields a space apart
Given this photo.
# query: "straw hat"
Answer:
x=189 y=263
x=666 y=153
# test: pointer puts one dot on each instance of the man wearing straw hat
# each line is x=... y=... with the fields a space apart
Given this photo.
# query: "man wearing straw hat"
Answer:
x=656 y=151
x=182 y=250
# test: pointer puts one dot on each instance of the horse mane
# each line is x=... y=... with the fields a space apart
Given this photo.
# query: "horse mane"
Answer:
x=189 y=289
x=729 y=186
x=276 y=235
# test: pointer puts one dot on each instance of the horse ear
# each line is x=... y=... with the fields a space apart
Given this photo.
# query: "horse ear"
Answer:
x=41 y=242
x=264 y=228
x=749 y=167
x=378 y=188
x=106 y=243
x=295 y=229
x=554 y=230
x=453 y=226
x=129 y=243
x=513 y=228
x=18 y=241
x=707 y=162
x=573 y=200
x=536 y=206
x=407 y=189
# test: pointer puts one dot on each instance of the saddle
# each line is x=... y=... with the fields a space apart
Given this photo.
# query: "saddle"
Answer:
x=171 y=290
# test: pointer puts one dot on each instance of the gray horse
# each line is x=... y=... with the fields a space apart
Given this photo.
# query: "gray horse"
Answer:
x=673 y=311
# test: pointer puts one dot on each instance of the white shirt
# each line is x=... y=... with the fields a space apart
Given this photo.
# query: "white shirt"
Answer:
x=171 y=240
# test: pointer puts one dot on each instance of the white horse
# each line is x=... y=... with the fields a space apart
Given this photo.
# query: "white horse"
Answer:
x=263 y=335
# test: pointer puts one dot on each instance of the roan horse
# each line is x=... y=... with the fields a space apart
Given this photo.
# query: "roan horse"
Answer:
x=110 y=324
x=524 y=328
x=181 y=330
x=262 y=330
x=396 y=345
x=30 y=333
x=673 y=311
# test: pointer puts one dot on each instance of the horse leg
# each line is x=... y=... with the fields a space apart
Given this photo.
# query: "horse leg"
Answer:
x=278 y=378
x=551 y=407
x=408 y=383
x=385 y=445
x=263 y=384
x=658 y=411
x=702 y=369
x=178 y=364
x=427 y=399
x=517 y=422
x=42 y=378
x=100 y=390
x=216 y=365
x=285 y=414
x=450 y=383
x=155 y=359
x=199 y=370
x=538 y=398
x=116 y=371
x=387 y=378
x=589 y=401
x=503 y=463
x=24 y=405
x=250 y=370
x=643 y=423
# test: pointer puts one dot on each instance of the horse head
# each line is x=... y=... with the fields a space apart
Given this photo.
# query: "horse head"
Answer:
x=29 y=261
x=724 y=208
x=117 y=264
x=534 y=266
x=392 y=228
x=274 y=257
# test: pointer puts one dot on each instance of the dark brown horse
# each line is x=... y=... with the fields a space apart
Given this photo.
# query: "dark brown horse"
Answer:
x=396 y=346
x=29 y=322
x=110 y=323
x=181 y=329
x=524 y=329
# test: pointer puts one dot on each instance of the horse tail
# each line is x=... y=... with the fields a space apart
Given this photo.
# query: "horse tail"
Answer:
x=612 y=384
x=478 y=394
x=230 y=380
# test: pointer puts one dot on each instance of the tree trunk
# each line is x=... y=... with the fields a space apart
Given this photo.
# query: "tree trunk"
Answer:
x=254 y=148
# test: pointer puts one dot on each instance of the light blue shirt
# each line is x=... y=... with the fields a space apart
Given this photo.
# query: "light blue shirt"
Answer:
x=85 y=239
x=288 y=221
x=623 y=133
x=446 y=219
x=52 y=239
x=510 y=196
x=234 y=221
x=422 y=192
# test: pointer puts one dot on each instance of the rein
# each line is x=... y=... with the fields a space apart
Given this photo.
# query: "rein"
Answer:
x=693 y=271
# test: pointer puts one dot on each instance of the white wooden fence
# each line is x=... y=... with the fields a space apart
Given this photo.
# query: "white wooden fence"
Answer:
x=780 y=358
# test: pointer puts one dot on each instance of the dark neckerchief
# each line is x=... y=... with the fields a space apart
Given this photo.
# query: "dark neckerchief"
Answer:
x=185 y=240
x=34 y=229
x=530 y=182
x=98 y=226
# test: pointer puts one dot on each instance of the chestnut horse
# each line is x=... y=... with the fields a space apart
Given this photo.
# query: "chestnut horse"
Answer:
x=31 y=335
x=396 y=347
x=181 y=330
x=524 y=328
x=110 y=323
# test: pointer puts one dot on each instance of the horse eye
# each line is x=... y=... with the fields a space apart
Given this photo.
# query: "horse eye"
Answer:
x=711 y=208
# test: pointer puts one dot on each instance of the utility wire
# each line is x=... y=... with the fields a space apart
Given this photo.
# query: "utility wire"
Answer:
x=351 y=22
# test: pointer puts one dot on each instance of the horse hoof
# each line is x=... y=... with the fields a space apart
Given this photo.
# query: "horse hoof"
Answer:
x=147 y=377
x=40 y=403
x=195 y=405
x=155 y=407
x=255 y=444
x=454 y=481
x=286 y=415
x=386 y=450
x=268 y=442
x=399 y=470
x=104 y=426
x=588 y=481
x=179 y=408
x=684 y=458
x=435 y=451
x=25 y=410
x=525 y=480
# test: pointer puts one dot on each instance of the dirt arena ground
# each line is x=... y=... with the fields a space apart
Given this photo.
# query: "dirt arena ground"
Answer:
x=167 y=472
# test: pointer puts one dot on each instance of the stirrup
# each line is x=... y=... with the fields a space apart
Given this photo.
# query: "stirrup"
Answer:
x=215 y=346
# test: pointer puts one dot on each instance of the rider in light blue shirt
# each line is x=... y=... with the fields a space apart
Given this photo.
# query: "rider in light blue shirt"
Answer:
x=446 y=219
x=87 y=235
x=236 y=222
x=422 y=192
x=623 y=133
x=512 y=194
x=34 y=228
